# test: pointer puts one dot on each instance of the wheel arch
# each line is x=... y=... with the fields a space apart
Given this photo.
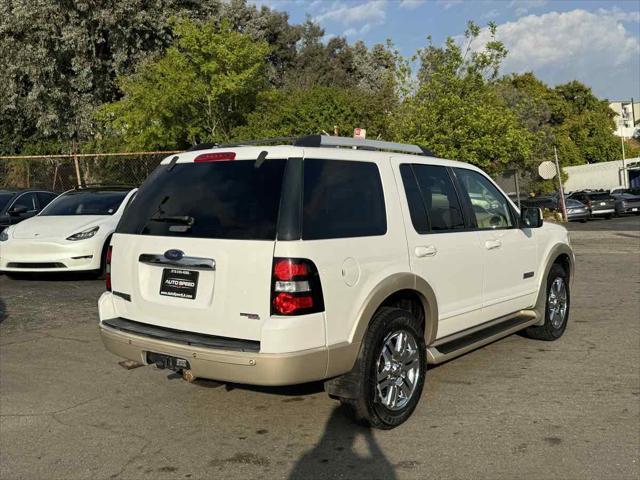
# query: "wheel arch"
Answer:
x=401 y=290
x=563 y=255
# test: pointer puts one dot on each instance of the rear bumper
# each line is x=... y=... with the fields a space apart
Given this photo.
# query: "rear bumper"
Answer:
x=230 y=366
x=607 y=211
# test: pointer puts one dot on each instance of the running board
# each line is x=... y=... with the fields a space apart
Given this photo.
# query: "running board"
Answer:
x=458 y=344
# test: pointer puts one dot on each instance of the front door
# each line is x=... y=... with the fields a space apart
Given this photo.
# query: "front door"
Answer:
x=509 y=252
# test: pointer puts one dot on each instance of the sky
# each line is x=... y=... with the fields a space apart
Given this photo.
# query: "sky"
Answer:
x=595 y=42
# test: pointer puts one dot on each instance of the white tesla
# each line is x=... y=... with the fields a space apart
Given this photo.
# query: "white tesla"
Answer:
x=71 y=234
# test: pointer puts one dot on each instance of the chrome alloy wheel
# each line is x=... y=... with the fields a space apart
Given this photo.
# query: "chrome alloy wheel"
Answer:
x=557 y=302
x=397 y=370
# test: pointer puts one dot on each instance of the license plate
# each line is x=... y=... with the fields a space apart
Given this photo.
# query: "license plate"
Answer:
x=634 y=209
x=603 y=203
x=179 y=283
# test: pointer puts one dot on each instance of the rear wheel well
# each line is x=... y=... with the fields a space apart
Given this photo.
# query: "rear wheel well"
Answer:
x=408 y=300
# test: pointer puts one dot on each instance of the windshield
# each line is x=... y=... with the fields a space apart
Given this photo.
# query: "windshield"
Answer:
x=86 y=202
x=230 y=199
x=4 y=199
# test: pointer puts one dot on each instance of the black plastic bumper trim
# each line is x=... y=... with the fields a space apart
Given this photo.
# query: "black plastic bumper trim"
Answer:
x=181 y=336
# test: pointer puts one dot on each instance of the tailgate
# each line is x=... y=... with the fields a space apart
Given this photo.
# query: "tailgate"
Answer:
x=219 y=287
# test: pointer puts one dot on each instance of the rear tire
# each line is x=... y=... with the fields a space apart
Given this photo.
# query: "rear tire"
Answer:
x=557 y=306
x=391 y=367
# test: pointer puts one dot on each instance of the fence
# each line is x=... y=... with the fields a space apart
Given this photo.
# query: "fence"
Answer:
x=62 y=172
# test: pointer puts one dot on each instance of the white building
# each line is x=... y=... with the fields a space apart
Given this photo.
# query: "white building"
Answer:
x=603 y=175
x=627 y=114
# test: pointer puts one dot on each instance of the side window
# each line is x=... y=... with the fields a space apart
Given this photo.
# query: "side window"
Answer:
x=417 y=209
x=342 y=199
x=45 y=198
x=440 y=198
x=489 y=206
x=26 y=200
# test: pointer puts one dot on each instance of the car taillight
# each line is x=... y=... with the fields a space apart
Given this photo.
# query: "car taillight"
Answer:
x=108 y=268
x=295 y=287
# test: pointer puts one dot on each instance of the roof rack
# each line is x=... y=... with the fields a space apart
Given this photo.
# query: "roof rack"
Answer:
x=325 y=141
x=105 y=186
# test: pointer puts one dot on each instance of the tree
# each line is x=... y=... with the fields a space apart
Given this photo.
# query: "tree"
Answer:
x=295 y=112
x=197 y=91
x=456 y=112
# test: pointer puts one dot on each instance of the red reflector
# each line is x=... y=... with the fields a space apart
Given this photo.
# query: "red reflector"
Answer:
x=215 y=157
x=286 y=303
x=286 y=270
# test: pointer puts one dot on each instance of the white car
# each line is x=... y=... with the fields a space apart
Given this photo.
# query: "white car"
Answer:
x=350 y=261
x=70 y=234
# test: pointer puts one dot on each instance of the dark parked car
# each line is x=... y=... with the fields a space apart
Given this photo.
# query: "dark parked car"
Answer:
x=600 y=204
x=550 y=203
x=18 y=205
x=627 y=200
x=577 y=211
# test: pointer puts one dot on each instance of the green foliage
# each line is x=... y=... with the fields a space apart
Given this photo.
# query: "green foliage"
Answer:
x=456 y=112
x=293 y=112
x=197 y=91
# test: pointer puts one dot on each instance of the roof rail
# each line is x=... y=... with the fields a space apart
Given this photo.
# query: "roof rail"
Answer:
x=329 y=141
x=324 y=141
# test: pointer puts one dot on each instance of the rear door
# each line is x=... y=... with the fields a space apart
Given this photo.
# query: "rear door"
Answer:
x=442 y=249
x=194 y=249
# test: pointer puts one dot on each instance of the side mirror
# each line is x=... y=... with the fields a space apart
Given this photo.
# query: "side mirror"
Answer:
x=530 y=217
x=15 y=211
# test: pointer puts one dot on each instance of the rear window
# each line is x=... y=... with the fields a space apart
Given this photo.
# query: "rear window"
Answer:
x=599 y=196
x=342 y=199
x=227 y=200
x=86 y=202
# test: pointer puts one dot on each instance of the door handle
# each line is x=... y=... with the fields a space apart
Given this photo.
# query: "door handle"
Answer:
x=492 y=244
x=425 y=251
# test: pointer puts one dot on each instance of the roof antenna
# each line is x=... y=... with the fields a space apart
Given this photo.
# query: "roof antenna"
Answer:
x=261 y=158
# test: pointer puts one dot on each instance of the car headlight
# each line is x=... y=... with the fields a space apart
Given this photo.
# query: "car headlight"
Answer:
x=84 y=234
x=4 y=235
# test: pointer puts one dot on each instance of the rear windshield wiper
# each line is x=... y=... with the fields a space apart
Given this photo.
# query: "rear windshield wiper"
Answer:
x=186 y=221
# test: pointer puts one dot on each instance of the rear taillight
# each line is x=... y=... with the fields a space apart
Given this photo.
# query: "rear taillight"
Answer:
x=295 y=287
x=108 y=268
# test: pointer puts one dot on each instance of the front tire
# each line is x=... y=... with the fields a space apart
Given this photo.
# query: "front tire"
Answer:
x=391 y=367
x=557 y=305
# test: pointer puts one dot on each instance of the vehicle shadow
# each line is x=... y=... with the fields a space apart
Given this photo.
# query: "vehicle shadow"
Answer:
x=53 y=276
x=3 y=311
x=335 y=455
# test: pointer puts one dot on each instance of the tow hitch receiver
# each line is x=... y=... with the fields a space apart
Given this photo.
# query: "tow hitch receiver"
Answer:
x=166 y=361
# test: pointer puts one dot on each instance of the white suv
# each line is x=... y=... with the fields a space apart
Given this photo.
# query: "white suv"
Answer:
x=332 y=259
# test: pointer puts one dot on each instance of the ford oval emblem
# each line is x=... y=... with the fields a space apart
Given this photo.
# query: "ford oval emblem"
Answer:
x=173 y=254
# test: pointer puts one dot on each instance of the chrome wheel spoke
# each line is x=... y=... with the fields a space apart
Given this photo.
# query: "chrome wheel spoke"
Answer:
x=397 y=370
x=557 y=302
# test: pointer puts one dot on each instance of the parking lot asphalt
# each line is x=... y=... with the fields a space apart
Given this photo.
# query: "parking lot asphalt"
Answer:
x=517 y=408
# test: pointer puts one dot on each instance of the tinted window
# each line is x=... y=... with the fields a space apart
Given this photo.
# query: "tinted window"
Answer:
x=45 y=198
x=86 y=202
x=230 y=199
x=342 y=199
x=26 y=200
x=417 y=209
x=599 y=196
x=440 y=199
x=4 y=199
x=490 y=207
